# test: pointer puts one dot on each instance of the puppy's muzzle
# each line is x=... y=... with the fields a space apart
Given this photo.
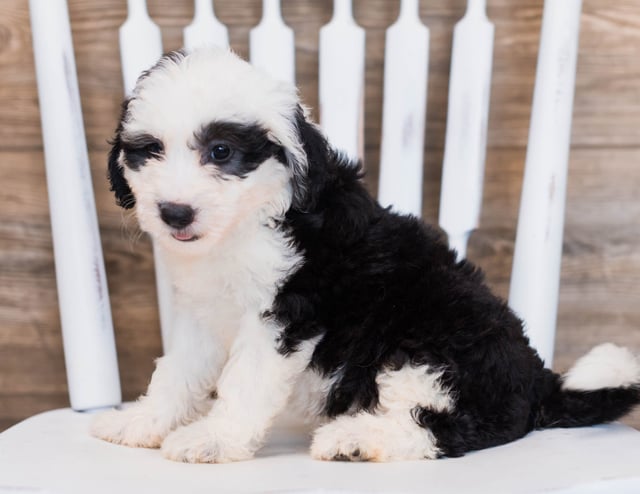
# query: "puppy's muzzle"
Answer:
x=178 y=216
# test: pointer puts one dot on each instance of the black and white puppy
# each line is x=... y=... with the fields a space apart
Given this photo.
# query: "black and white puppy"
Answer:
x=295 y=290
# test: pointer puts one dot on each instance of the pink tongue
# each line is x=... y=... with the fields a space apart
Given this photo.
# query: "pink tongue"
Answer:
x=182 y=235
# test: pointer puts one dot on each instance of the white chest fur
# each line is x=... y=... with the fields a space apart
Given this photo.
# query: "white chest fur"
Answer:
x=237 y=278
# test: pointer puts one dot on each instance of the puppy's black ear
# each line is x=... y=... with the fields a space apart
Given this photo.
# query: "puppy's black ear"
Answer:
x=119 y=185
x=309 y=177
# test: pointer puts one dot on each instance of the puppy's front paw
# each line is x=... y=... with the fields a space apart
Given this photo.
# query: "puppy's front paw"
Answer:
x=201 y=442
x=134 y=427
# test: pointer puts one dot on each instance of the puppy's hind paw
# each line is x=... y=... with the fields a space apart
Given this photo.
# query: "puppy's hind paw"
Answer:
x=368 y=437
x=331 y=443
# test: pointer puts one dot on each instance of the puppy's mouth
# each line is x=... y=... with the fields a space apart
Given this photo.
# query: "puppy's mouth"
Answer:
x=184 y=235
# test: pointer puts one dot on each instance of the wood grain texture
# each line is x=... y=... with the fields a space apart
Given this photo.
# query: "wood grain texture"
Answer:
x=600 y=295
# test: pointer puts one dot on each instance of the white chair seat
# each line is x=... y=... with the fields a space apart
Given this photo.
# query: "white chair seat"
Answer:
x=53 y=452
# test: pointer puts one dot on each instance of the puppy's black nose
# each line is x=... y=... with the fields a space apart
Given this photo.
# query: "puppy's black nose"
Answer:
x=176 y=215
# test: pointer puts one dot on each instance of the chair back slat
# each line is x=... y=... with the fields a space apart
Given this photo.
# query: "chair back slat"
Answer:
x=406 y=65
x=467 y=118
x=271 y=44
x=83 y=296
x=205 y=29
x=341 y=80
x=140 y=43
x=536 y=264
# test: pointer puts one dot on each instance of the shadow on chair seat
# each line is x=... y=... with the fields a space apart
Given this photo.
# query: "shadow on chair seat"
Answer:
x=53 y=452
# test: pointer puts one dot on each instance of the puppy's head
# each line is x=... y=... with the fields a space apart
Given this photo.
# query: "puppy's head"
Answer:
x=205 y=145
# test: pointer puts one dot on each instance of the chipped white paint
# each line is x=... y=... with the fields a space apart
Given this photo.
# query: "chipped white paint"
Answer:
x=466 y=137
x=87 y=329
x=404 y=111
x=272 y=44
x=205 y=29
x=342 y=80
x=536 y=264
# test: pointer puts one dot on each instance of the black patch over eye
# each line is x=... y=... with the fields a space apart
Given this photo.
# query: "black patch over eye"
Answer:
x=138 y=149
x=220 y=153
x=236 y=148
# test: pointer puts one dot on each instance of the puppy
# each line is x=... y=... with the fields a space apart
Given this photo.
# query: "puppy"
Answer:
x=294 y=289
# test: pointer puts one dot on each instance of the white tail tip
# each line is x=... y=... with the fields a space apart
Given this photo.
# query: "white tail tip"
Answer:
x=605 y=366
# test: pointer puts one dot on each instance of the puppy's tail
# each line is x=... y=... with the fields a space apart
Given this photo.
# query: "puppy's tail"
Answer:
x=602 y=386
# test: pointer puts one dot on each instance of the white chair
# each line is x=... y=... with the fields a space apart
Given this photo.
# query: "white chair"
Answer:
x=53 y=452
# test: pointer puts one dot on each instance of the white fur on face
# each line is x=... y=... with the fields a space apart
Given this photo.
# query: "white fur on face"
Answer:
x=175 y=101
x=223 y=205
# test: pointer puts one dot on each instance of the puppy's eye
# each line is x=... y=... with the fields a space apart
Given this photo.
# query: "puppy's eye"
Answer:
x=154 y=148
x=138 y=149
x=220 y=153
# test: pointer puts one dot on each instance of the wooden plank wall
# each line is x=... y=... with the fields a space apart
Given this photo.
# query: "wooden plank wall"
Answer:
x=600 y=292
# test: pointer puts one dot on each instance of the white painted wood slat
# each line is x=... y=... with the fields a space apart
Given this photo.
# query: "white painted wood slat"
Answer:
x=341 y=82
x=83 y=296
x=271 y=44
x=205 y=29
x=140 y=43
x=535 y=276
x=466 y=135
x=406 y=63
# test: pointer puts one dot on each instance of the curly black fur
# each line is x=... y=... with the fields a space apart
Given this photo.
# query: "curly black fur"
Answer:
x=384 y=290
x=115 y=173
